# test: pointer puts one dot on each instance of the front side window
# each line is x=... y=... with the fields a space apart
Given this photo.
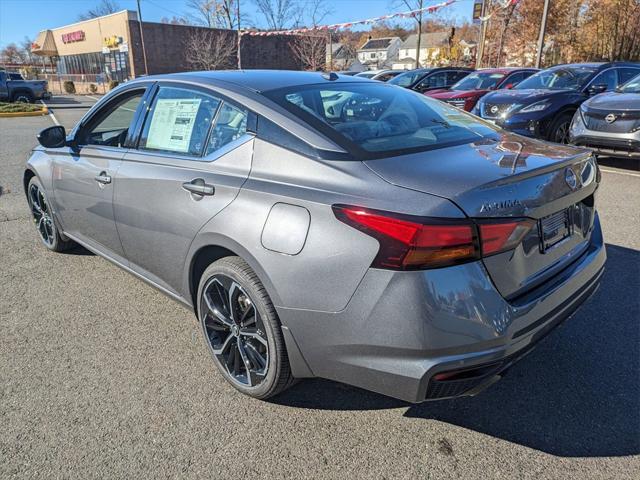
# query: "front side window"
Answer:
x=437 y=80
x=558 y=79
x=376 y=118
x=632 y=86
x=608 y=78
x=627 y=74
x=179 y=121
x=111 y=125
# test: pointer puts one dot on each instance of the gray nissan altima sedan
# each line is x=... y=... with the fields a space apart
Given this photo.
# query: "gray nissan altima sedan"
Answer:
x=328 y=226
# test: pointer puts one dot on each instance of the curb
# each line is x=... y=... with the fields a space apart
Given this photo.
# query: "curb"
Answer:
x=44 y=111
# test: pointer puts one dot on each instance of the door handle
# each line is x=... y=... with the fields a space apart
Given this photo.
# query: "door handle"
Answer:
x=103 y=178
x=198 y=187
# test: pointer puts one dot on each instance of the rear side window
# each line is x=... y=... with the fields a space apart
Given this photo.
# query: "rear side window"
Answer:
x=230 y=124
x=179 y=121
x=376 y=118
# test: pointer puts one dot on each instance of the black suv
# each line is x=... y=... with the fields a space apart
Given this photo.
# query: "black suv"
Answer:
x=425 y=79
x=543 y=105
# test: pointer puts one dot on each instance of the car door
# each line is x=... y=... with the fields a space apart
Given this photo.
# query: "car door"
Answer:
x=4 y=88
x=193 y=155
x=85 y=174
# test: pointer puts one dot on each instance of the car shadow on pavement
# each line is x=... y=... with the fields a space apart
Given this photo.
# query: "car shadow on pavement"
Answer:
x=576 y=395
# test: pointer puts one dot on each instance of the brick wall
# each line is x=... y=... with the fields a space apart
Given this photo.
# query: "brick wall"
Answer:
x=165 y=46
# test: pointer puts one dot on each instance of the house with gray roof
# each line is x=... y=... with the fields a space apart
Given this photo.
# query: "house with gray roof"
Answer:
x=379 y=52
x=431 y=45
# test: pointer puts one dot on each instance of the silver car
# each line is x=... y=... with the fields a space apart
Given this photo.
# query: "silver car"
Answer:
x=609 y=123
x=328 y=226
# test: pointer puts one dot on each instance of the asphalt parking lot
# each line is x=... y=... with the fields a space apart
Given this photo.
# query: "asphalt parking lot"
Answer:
x=102 y=376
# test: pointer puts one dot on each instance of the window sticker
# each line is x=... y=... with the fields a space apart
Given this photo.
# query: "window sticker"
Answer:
x=172 y=124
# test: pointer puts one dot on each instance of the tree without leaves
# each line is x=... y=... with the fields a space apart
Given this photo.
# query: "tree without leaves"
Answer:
x=415 y=5
x=311 y=50
x=11 y=54
x=210 y=49
x=214 y=13
x=279 y=14
x=105 y=7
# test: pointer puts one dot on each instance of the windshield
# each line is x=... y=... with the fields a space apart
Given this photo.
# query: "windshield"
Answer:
x=407 y=78
x=632 y=86
x=478 y=81
x=557 y=79
x=365 y=117
x=15 y=76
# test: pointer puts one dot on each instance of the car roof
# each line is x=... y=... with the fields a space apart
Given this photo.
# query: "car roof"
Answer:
x=257 y=80
x=507 y=69
x=597 y=65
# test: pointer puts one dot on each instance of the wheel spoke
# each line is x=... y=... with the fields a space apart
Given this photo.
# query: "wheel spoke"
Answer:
x=245 y=361
x=215 y=312
x=225 y=345
x=258 y=360
x=233 y=294
x=251 y=333
x=248 y=319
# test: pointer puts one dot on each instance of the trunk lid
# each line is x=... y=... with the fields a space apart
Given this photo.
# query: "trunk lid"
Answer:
x=514 y=177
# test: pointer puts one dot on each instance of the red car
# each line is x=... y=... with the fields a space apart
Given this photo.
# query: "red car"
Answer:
x=467 y=91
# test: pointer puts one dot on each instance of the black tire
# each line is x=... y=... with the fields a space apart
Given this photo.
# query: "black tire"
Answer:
x=240 y=283
x=43 y=218
x=559 y=130
x=22 y=97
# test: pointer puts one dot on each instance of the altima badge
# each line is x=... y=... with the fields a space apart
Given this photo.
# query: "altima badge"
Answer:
x=571 y=178
x=610 y=118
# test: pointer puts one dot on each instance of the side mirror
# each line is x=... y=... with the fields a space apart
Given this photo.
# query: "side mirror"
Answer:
x=509 y=86
x=53 y=137
x=596 y=89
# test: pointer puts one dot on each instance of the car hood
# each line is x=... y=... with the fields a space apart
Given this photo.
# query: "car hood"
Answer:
x=615 y=101
x=458 y=94
x=514 y=174
x=524 y=97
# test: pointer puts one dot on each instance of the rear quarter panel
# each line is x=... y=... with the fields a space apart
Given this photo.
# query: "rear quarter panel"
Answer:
x=335 y=257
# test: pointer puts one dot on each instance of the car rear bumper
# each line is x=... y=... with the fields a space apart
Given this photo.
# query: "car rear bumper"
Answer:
x=438 y=333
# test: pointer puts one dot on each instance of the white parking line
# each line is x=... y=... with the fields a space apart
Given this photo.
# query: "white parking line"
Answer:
x=629 y=174
x=53 y=117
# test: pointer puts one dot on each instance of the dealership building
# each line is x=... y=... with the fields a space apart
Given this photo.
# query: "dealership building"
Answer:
x=110 y=47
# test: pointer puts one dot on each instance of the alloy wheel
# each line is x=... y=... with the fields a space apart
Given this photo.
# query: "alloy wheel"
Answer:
x=562 y=133
x=235 y=331
x=42 y=215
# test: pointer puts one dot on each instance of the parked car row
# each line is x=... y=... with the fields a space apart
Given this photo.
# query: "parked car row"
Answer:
x=590 y=104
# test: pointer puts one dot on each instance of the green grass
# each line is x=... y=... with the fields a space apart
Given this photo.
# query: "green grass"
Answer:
x=19 y=107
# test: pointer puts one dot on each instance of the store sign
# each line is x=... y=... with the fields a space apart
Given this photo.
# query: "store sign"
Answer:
x=77 y=36
x=112 y=42
x=477 y=11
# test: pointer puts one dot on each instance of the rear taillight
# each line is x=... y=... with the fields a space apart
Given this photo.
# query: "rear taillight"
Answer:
x=413 y=243
x=499 y=236
x=416 y=243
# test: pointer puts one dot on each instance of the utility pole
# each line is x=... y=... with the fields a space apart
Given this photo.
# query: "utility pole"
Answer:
x=419 y=35
x=543 y=27
x=239 y=35
x=330 y=66
x=482 y=33
x=144 y=51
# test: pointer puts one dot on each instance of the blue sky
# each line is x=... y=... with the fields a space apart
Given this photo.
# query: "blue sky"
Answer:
x=27 y=17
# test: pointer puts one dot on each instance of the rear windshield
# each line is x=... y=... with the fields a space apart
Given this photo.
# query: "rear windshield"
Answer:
x=372 y=119
x=478 y=81
x=407 y=78
x=565 y=78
